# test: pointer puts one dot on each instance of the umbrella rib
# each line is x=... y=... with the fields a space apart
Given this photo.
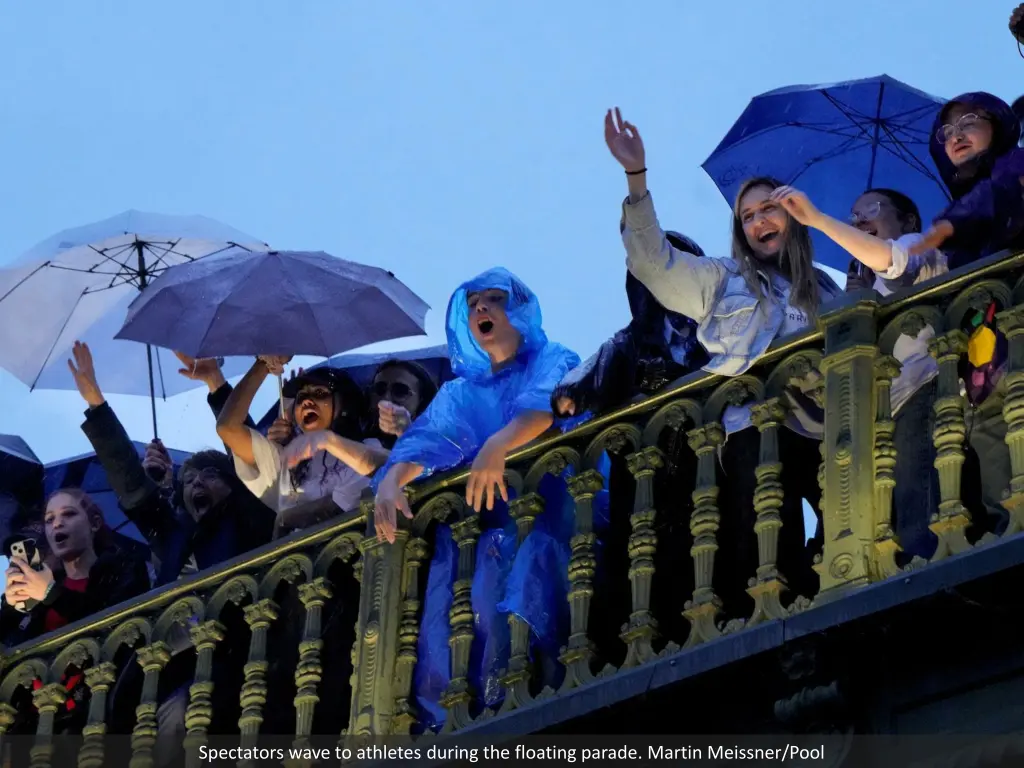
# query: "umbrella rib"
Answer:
x=64 y=325
x=23 y=280
x=913 y=162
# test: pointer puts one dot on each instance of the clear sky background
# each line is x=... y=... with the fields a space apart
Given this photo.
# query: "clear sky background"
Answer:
x=435 y=139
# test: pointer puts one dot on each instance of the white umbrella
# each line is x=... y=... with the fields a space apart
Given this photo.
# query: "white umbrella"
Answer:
x=78 y=284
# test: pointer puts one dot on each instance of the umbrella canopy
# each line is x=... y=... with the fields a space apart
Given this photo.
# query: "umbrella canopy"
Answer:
x=362 y=367
x=275 y=303
x=21 y=472
x=86 y=472
x=834 y=142
x=77 y=285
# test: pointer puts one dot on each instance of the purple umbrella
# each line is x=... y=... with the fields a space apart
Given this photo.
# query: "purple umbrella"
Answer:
x=274 y=303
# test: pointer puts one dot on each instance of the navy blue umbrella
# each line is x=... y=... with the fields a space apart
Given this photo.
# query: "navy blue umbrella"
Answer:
x=834 y=142
x=21 y=480
x=86 y=472
x=362 y=367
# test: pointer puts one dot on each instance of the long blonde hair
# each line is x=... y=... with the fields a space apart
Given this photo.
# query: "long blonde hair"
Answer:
x=796 y=256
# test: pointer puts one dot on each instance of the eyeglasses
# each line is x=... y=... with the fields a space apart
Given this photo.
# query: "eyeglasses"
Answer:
x=963 y=125
x=396 y=388
x=870 y=213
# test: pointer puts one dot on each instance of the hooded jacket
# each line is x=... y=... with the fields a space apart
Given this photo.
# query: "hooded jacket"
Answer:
x=987 y=212
x=656 y=348
x=480 y=402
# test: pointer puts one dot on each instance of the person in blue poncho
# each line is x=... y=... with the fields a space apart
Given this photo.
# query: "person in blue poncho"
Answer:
x=506 y=370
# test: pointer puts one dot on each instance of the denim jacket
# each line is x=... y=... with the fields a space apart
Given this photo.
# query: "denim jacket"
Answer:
x=734 y=327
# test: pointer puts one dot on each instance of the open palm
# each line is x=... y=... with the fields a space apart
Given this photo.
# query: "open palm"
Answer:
x=85 y=375
x=624 y=142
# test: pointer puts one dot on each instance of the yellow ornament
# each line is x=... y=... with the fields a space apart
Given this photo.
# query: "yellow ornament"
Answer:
x=981 y=347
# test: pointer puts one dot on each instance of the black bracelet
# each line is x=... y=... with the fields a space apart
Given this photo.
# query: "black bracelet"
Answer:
x=636 y=173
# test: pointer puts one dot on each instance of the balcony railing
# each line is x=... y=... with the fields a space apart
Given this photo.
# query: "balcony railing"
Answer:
x=322 y=573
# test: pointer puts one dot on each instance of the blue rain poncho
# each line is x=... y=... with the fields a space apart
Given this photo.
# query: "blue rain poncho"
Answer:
x=532 y=582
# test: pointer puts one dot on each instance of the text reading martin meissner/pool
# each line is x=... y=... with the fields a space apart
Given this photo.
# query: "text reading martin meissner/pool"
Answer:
x=522 y=752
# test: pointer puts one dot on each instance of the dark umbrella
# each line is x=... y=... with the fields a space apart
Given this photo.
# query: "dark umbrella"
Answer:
x=274 y=303
x=21 y=481
x=834 y=142
x=362 y=367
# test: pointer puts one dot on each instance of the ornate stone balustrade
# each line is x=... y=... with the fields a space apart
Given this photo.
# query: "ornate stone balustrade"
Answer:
x=276 y=606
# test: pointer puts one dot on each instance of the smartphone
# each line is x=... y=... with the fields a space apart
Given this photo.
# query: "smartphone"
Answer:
x=25 y=548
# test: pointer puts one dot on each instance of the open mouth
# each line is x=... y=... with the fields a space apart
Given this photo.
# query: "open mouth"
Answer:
x=60 y=538
x=309 y=418
x=485 y=325
x=767 y=237
x=200 y=500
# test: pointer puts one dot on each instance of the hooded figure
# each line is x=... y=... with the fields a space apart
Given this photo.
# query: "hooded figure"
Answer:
x=479 y=401
x=656 y=348
x=987 y=213
x=530 y=582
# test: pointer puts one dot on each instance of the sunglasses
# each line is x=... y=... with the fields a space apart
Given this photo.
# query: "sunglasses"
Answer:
x=396 y=388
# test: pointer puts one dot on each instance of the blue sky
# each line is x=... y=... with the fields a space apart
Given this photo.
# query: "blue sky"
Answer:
x=435 y=139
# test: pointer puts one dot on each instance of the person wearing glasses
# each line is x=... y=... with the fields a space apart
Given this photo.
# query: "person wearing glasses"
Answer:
x=974 y=146
x=884 y=226
x=326 y=456
x=401 y=391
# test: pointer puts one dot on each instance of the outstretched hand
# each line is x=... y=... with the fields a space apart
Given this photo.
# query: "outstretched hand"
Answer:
x=797 y=204
x=624 y=142
x=275 y=363
x=486 y=474
x=204 y=369
x=939 y=233
x=390 y=499
x=85 y=375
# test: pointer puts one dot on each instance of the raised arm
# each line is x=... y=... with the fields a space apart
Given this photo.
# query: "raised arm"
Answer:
x=136 y=492
x=873 y=252
x=680 y=281
x=231 y=423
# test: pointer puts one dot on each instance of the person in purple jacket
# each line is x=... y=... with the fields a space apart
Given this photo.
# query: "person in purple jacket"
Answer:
x=974 y=146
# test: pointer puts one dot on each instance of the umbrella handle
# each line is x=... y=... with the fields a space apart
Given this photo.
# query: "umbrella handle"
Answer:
x=280 y=393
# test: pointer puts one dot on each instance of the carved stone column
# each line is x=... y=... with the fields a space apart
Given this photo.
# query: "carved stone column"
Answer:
x=524 y=511
x=458 y=696
x=47 y=700
x=578 y=654
x=951 y=523
x=886 y=546
x=258 y=616
x=374 y=652
x=8 y=714
x=639 y=634
x=152 y=658
x=767 y=588
x=848 y=502
x=200 y=694
x=1011 y=323
x=100 y=680
x=703 y=610
x=308 y=671
x=417 y=553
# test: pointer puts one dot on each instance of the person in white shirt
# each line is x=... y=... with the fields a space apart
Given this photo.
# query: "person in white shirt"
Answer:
x=324 y=456
x=885 y=224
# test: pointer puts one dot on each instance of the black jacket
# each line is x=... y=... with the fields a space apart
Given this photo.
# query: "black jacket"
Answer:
x=238 y=525
x=636 y=360
x=116 y=576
